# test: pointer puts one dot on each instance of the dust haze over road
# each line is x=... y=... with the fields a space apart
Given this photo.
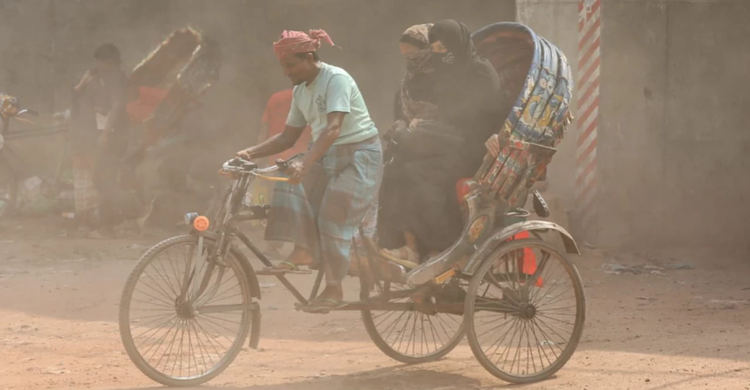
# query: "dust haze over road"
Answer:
x=672 y=319
x=651 y=325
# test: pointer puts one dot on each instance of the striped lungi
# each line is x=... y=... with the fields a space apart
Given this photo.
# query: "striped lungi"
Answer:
x=323 y=213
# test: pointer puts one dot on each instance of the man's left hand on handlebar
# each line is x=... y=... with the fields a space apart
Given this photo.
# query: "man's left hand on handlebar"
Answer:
x=246 y=154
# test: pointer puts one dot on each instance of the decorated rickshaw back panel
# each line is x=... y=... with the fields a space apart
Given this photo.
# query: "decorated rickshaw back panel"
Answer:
x=537 y=75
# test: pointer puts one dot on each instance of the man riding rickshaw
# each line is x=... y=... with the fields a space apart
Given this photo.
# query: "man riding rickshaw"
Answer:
x=516 y=298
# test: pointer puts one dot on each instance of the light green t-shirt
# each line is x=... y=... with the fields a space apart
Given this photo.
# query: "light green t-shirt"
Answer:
x=333 y=90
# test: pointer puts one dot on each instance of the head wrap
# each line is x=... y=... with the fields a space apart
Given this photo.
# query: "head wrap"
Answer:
x=456 y=38
x=292 y=42
x=417 y=83
x=417 y=35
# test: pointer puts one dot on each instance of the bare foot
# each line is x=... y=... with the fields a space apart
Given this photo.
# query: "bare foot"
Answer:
x=332 y=292
x=300 y=256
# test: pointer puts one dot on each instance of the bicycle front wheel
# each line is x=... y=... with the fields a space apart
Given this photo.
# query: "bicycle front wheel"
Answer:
x=186 y=341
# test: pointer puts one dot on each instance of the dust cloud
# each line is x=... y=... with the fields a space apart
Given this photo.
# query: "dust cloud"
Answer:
x=45 y=45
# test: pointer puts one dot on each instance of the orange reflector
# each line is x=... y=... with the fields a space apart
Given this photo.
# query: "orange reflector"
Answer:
x=201 y=224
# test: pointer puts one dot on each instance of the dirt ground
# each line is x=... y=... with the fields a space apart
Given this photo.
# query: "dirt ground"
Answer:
x=676 y=320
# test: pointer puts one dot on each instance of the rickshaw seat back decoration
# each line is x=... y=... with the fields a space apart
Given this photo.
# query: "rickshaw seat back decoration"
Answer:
x=537 y=75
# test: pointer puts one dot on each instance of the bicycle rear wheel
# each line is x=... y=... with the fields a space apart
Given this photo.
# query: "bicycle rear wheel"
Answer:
x=414 y=337
x=8 y=190
x=185 y=344
x=525 y=311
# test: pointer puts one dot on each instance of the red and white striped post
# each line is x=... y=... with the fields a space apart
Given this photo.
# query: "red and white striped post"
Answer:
x=587 y=113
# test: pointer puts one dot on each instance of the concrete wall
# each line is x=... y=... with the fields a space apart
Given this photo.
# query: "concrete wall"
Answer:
x=673 y=149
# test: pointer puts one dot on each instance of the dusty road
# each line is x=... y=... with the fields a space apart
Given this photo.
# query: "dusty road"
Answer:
x=675 y=321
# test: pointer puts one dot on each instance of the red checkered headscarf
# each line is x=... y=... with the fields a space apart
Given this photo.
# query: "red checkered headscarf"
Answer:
x=291 y=42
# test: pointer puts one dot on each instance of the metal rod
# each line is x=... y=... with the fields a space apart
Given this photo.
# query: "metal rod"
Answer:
x=289 y=286
x=316 y=286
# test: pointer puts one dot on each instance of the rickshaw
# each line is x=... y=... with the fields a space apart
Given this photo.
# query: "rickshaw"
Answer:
x=191 y=302
x=10 y=109
x=165 y=88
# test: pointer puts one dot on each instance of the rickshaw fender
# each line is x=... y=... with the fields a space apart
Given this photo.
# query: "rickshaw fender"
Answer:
x=502 y=235
x=244 y=261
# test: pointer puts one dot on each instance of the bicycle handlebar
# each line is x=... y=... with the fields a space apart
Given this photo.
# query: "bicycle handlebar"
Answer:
x=242 y=166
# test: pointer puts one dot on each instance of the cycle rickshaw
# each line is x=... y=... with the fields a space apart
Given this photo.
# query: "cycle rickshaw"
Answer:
x=515 y=297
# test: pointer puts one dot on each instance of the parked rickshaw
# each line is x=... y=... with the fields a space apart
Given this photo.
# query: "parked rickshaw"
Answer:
x=192 y=300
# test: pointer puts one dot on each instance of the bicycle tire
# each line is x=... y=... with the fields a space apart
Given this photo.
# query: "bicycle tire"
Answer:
x=380 y=341
x=248 y=320
x=576 y=334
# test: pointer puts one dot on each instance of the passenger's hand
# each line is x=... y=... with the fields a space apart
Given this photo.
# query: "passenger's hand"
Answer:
x=397 y=126
x=493 y=145
x=296 y=171
x=246 y=154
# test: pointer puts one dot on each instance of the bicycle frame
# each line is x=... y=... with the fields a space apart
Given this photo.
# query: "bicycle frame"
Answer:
x=460 y=261
x=226 y=231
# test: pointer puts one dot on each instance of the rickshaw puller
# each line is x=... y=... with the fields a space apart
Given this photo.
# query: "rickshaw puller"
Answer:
x=333 y=185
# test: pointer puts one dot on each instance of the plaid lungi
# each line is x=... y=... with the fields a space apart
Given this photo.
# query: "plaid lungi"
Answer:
x=323 y=213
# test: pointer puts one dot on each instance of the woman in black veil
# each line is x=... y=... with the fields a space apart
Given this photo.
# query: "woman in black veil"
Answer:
x=447 y=102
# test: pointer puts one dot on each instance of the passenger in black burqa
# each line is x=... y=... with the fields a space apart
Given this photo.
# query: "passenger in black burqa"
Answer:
x=419 y=213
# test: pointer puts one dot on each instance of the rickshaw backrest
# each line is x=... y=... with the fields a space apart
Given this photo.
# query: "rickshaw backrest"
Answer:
x=172 y=77
x=537 y=83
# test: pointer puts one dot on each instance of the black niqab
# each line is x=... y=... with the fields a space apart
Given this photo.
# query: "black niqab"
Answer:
x=456 y=38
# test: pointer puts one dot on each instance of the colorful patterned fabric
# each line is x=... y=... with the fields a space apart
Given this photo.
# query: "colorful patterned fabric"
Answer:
x=291 y=42
x=323 y=213
x=540 y=116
